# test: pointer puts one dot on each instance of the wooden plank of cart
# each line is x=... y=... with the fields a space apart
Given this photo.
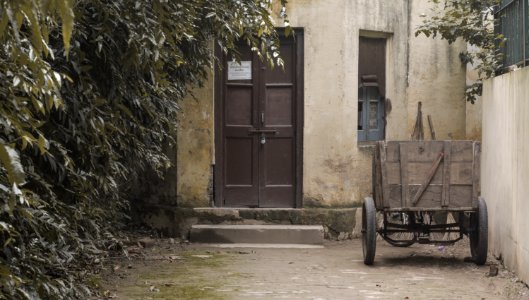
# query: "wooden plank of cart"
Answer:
x=416 y=185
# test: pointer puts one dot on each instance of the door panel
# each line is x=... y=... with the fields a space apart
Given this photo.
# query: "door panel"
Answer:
x=278 y=157
x=278 y=163
x=239 y=159
x=239 y=100
x=240 y=151
x=276 y=74
x=279 y=104
x=259 y=131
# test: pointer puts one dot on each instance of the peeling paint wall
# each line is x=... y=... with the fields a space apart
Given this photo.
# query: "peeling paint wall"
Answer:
x=505 y=167
x=337 y=170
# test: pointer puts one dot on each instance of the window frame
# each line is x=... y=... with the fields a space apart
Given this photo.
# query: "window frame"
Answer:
x=372 y=73
x=367 y=132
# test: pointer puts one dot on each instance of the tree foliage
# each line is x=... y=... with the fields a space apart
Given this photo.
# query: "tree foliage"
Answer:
x=472 y=21
x=89 y=94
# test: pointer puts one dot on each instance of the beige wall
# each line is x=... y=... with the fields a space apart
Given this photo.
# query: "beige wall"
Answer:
x=473 y=120
x=195 y=144
x=337 y=171
x=474 y=111
x=505 y=167
x=437 y=78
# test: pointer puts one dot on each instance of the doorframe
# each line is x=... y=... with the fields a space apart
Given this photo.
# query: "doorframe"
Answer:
x=300 y=109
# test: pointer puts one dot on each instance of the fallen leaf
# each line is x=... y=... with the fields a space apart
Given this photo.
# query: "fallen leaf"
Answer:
x=154 y=289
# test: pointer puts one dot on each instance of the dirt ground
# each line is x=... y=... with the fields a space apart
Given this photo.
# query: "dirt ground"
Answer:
x=171 y=270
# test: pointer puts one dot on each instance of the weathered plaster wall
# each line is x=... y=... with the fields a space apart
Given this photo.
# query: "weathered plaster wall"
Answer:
x=474 y=111
x=437 y=78
x=337 y=171
x=473 y=120
x=196 y=148
x=505 y=167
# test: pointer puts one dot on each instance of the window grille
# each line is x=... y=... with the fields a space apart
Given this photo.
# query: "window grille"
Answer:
x=512 y=20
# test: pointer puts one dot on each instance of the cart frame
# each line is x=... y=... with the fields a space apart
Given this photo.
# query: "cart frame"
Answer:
x=415 y=185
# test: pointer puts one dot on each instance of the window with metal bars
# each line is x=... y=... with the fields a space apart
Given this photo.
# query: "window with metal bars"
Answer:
x=513 y=22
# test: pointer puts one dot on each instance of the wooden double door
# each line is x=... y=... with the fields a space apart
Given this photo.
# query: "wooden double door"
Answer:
x=259 y=123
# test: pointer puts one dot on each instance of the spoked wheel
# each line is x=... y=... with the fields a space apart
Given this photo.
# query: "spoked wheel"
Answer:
x=479 y=235
x=369 y=230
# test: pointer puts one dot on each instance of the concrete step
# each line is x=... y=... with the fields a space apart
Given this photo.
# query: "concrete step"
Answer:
x=258 y=234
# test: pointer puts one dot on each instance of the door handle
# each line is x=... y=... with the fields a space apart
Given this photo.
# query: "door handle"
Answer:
x=262 y=131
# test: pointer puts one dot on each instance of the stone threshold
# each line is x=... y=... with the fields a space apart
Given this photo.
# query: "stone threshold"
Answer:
x=260 y=246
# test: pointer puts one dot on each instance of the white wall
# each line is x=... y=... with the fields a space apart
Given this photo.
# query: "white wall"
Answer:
x=505 y=167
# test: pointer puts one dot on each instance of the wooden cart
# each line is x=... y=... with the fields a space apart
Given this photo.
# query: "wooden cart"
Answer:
x=415 y=185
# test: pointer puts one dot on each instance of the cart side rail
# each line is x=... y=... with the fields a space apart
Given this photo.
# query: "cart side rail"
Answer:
x=426 y=175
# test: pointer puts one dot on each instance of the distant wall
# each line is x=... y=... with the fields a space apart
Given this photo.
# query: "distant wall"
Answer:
x=474 y=111
x=505 y=167
x=337 y=170
x=437 y=78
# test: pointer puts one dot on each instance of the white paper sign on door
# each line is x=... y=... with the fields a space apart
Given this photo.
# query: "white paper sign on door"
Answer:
x=240 y=71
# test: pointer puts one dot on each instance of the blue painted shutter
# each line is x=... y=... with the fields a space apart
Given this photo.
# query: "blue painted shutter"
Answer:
x=370 y=114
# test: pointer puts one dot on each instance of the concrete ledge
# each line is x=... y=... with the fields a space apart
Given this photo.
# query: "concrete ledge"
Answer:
x=257 y=234
x=338 y=223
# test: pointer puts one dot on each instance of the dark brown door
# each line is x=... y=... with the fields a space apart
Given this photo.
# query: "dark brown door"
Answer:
x=258 y=118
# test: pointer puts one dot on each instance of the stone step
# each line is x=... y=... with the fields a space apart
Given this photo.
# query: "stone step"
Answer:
x=258 y=234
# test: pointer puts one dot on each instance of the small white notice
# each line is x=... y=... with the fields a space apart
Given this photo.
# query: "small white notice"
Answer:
x=240 y=71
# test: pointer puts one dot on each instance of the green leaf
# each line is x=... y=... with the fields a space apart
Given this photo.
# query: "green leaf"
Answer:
x=288 y=31
x=3 y=24
x=16 y=81
x=36 y=34
x=38 y=105
x=27 y=138
x=11 y=161
x=4 y=270
x=43 y=145
x=24 y=294
x=67 y=17
x=11 y=16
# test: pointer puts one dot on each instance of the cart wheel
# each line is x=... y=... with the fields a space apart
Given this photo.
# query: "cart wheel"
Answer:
x=479 y=236
x=369 y=230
